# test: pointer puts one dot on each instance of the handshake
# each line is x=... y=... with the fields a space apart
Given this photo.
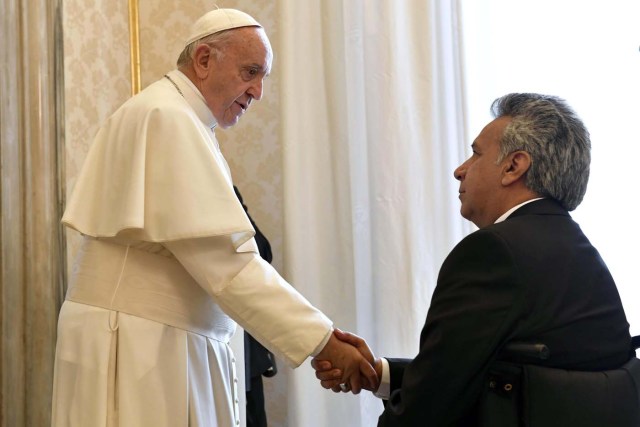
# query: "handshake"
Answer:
x=346 y=364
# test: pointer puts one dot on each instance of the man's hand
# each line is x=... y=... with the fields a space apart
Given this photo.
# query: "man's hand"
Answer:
x=331 y=375
x=352 y=368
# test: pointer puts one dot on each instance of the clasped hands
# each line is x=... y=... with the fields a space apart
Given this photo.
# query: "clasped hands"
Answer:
x=346 y=364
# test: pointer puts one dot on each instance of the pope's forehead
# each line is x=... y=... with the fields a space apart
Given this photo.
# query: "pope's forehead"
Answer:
x=253 y=42
x=254 y=35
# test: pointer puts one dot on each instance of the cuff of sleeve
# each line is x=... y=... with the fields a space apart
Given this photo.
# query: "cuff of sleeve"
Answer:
x=384 y=390
x=324 y=342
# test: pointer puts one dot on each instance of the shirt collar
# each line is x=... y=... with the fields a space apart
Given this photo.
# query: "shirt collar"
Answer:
x=194 y=97
x=513 y=209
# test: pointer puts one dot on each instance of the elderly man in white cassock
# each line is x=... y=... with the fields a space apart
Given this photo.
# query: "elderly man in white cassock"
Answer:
x=168 y=263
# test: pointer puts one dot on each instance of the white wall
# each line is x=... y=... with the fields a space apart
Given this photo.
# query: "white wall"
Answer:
x=586 y=52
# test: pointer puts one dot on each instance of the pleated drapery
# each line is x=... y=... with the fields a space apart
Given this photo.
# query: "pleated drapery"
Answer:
x=32 y=263
x=372 y=128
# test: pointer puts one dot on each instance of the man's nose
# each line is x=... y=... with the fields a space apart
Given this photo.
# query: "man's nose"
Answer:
x=459 y=172
x=256 y=90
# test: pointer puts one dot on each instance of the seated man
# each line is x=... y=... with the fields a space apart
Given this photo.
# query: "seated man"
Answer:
x=528 y=274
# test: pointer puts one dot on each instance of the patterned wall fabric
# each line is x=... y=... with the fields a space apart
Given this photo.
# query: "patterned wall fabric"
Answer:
x=97 y=77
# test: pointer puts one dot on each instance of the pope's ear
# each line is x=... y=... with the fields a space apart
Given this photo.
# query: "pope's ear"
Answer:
x=516 y=166
x=201 y=58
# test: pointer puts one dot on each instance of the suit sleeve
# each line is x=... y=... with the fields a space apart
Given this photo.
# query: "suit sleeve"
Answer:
x=264 y=247
x=396 y=372
x=477 y=302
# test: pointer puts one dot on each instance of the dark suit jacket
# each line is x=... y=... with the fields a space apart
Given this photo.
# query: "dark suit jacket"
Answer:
x=258 y=360
x=534 y=277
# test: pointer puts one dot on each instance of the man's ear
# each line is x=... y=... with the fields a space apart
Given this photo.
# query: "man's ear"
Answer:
x=515 y=166
x=201 y=64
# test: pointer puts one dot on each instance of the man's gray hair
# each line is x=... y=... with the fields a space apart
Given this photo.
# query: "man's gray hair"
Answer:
x=217 y=41
x=555 y=138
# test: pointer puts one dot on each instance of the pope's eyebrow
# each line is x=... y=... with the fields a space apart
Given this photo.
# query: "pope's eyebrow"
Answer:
x=258 y=67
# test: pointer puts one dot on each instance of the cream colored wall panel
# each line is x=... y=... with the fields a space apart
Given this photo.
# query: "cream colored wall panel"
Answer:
x=97 y=77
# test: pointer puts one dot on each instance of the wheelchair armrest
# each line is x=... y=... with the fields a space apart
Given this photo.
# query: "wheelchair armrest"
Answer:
x=524 y=350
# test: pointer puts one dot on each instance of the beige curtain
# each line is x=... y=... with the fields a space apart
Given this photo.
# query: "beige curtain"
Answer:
x=372 y=128
x=32 y=265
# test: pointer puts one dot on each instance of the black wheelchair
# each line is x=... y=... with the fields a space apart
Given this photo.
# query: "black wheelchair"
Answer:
x=523 y=394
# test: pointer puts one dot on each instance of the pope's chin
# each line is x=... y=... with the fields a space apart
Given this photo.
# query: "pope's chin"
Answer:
x=226 y=123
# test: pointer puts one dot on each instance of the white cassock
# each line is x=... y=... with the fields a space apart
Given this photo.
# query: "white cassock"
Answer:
x=168 y=264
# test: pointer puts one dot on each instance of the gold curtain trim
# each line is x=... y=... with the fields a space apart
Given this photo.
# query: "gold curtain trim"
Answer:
x=134 y=46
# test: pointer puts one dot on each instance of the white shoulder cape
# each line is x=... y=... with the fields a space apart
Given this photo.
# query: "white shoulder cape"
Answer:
x=154 y=173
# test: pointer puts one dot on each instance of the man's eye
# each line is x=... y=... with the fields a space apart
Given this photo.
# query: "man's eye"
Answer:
x=250 y=73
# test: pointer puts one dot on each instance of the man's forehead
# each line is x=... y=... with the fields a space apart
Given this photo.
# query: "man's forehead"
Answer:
x=494 y=130
x=253 y=39
x=249 y=48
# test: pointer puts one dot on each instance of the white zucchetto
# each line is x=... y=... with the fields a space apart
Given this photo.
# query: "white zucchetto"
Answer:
x=220 y=20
